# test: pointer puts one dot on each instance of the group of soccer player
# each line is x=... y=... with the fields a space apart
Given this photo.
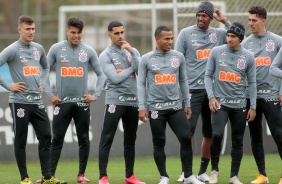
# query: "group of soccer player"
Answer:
x=221 y=75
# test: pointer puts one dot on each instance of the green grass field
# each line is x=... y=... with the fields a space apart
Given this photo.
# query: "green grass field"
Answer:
x=145 y=170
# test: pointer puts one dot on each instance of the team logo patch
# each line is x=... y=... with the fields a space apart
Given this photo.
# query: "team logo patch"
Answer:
x=154 y=114
x=112 y=108
x=223 y=53
x=242 y=56
x=213 y=38
x=82 y=56
x=128 y=55
x=64 y=48
x=36 y=55
x=250 y=42
x=200 y=81
x=153 y=57
x=56 y=110
x=20 y=113
x=21 y=49
x=174 y=62
x=113 y=52
x=241 y=64
x=155 y=67
x=269 y=46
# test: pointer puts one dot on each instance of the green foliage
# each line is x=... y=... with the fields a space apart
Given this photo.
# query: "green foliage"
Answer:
x=145 y=169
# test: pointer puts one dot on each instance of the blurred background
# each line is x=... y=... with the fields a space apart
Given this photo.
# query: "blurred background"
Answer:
x=140 y=18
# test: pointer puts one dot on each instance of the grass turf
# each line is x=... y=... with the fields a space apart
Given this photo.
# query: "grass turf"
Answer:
x=145 y=169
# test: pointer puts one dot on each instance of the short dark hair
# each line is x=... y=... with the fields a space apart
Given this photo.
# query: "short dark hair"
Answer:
x=25 y=19
x=75 y=22
x=113 y=24
x=259 y=11
x=159 y=30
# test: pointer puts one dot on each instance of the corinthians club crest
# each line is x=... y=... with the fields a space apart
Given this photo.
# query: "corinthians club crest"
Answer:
x=241 y=64
x=82 y=56
x=112 y=108
x=174 y=62
x=20 y=113
x=154 y=114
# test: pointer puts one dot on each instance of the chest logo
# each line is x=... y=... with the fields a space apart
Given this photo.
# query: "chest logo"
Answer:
x=213 y=38
x=241 y=64
x=174 y=62
x=36 y=55
x=82 y=57
x=270 y=46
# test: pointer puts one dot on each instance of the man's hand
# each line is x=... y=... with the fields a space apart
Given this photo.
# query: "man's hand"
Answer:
x=251 y=115
x=55 y=100
x=214 y=105
x=18 y=87
x=89 y=98
x=126 y=46
x=219 y=16
x=143 y=115
x=188 y=112
x=280 y=99
x=41 y=89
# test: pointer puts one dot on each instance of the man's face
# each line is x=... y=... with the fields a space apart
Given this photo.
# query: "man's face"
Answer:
x=233 y=41
x=164 y=41
x=74 y=35
x=117 y=35
x=256 y=24
x=27 y=32
x=203 y=20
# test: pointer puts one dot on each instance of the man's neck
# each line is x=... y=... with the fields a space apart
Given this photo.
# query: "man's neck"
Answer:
x=262 y=32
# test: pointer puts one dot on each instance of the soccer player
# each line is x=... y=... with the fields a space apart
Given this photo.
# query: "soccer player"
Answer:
x=120 y=64
x=265 y=46
x=276 y=130
x=229 y=70
x=25 y=58
x=160 y=73
x=196 y=42
x=72 y=58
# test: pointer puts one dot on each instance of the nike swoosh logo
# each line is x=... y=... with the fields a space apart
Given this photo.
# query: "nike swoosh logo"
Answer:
x=86 y=108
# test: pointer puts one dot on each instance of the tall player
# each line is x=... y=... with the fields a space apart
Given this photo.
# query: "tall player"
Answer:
x=265 y=46
x=196 y=42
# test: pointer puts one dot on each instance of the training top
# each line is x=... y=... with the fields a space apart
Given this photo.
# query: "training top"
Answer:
x=162 y=73
x=72 y=71
x=27 y=63
x=196 y=44
x=276 y=66
x=120 y=67
x=265 y=49
x=227 y=75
